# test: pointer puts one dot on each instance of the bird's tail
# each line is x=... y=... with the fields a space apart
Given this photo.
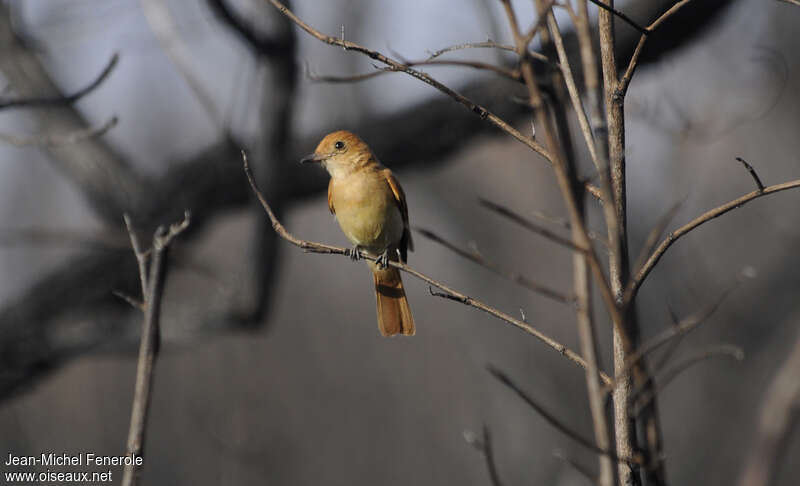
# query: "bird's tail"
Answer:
x=394 y=316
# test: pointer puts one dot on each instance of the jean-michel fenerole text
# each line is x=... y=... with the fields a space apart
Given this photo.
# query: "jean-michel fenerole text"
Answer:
x=80 y=459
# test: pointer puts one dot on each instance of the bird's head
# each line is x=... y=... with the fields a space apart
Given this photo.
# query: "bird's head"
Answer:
x=341 y=153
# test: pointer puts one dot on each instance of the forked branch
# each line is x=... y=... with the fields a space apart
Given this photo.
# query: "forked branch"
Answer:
x=479 y=110
x=149 y=345
x=637 y=280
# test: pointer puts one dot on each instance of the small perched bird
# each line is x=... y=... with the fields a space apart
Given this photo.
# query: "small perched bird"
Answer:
x=371 y=209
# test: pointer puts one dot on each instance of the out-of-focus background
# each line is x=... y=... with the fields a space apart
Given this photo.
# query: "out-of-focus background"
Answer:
x=272 y=368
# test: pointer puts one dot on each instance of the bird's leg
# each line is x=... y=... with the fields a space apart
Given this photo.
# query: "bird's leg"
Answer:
x=383 y=259
x=355 y=253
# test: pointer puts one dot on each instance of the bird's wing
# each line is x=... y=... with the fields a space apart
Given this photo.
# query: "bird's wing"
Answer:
x=400 y=197
x=330 y=196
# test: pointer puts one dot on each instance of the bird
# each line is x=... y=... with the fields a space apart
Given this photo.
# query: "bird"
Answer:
x=370 y=206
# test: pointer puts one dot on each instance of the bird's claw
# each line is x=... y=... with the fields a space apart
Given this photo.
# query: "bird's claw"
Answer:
x=355 y=253
x=383 y=259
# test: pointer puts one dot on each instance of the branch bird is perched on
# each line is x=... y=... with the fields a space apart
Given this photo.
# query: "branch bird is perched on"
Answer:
x=371 y=209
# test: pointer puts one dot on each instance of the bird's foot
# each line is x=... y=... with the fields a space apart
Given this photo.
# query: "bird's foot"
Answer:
x=355 y=253
x=383 y=259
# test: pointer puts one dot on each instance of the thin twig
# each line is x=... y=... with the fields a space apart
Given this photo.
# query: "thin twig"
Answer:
x=330 y=78
x=133 y=301
x=655 y=234
x=479 y=259
x=528 y=225
x=752 y=172
x=479 y=110
x=53 y=139
x=574 y=464
x=644 y=31
x=483 y=113
x=484 y=446
x=141 y=256
x=572 y=89
x=314 y=247
x=538 y=24
x=625 y=80
x=680 y=328
x=637 y=280
x=148 y=348
x=62 y=100
x=564 y=177
x=552 y=420
x=587 y=332
x=642 y=399
x=488 y=44
x=507 y=73
x=673 y=343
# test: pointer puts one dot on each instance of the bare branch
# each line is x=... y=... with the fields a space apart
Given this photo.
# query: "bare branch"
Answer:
x=528 y=225
x=53 y=139
x=624 y=82
x=655 y=234
x=354 y=78
x=580 y=468
x=488 y=44
x=621 y=15
x=110 y=185
x=666 y=356
x=752 y=172
x=149 y=346
x=681 y=328
x=141 y=256
x=314 y=247
x=479 y=110
x=26 y=322
x=37 y=102
x=484 y=446
x=552 y=420
x=637 y=280
x=543 y=13
x=645 y=394
x=132 y=301
x=572 y=89
x=507 y=73
x=587 y=337
x=476 y=257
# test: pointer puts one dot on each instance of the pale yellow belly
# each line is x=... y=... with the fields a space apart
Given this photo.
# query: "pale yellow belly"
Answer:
x=368 y=214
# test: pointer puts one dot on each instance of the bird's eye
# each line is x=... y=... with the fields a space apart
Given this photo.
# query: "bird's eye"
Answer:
x=339 y=145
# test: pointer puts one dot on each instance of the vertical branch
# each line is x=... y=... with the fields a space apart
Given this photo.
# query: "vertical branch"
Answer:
x=149 y=344
x=580 y=262
x=565 y=185
x=588 y=343
x=623 y=426
x=648 y=442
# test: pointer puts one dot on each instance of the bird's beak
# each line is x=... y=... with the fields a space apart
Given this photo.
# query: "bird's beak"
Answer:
x=312 y=158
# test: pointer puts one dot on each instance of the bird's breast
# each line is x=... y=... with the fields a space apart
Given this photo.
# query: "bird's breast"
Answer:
x=366 y=211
